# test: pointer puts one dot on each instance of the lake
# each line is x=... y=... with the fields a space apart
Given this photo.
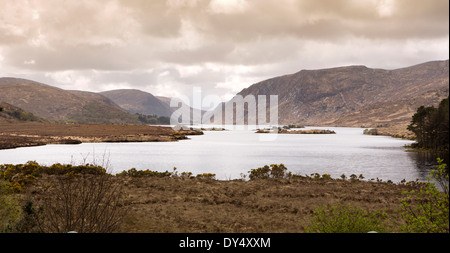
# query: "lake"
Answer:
x=230 y=154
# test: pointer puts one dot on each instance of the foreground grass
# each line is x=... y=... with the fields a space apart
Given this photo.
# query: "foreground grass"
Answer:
x=257 y=206
x=272 y=201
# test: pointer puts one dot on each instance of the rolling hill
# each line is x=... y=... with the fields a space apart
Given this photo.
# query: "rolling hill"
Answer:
x=56 y=104
x=137 y=101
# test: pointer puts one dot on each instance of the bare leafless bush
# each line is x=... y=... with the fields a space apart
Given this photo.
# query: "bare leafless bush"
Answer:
x=84 y=203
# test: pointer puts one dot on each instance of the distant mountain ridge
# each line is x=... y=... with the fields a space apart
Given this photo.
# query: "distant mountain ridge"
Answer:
x=137 y=101
x=75 y=106
x=56 y=104
x=342 y=96
x=354 y=95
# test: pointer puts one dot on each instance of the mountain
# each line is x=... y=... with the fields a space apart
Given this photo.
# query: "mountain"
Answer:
x=184 y=109
x=137 y=101
x=56 y=104
x=354 y=95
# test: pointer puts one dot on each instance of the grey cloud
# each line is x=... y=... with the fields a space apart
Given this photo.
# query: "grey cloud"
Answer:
x=124 y=39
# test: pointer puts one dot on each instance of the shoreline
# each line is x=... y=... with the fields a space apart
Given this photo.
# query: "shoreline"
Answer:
x=392 y=131
x=29 y=134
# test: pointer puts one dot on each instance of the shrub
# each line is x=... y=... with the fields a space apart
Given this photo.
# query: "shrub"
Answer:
x=428 y=210
x=84 y=203
x=346 y=219
x=327 y=177
x=274 y=171
x=133 y=172
x=21 y=175
x=263 y=172
x=207 y=176
x=30 y=220
x=9 y=210
x=278 y=171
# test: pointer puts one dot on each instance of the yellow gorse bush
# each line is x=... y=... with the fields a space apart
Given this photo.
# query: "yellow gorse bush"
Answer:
x=19 y=176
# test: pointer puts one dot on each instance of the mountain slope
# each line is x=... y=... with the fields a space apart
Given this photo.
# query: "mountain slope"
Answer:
x=56 y=104
x=10 y=113
x=184 y=109
x=137 y=101
x=100 y=108
x=335 y=96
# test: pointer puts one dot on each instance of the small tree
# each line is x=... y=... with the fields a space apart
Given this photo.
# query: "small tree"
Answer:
x=84 y=203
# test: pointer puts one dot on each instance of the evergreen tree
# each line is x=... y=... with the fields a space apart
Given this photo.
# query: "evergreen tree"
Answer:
x=431 y=125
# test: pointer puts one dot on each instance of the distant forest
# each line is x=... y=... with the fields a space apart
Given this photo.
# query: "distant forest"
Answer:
x=431 y=126
x=17 y=113
x=153 y=119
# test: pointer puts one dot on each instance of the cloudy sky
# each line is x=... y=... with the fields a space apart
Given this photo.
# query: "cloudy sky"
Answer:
x=167 y=47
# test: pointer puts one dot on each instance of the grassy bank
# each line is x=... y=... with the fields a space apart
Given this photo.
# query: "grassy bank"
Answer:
x=399 y=131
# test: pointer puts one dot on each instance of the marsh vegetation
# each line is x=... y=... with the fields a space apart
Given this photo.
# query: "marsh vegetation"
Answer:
x=86 y=198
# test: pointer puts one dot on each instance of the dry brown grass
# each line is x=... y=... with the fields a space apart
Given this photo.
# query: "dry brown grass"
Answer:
x=38 y=133
x=176 y=205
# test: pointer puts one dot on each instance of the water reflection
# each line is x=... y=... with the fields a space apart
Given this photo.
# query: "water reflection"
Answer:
x=427 y=161
x=424 y=162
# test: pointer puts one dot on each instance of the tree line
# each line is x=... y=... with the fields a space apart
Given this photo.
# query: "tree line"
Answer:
x=153 y=119
x=430 y=125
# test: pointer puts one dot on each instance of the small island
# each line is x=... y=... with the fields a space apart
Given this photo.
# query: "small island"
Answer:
x=309 y=131
x=287 y=131
x=213 y=129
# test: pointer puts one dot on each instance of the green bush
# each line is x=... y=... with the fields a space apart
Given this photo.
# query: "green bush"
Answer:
x=346 y=219
x=30 y=220
x=9 y=210
x=427 y=210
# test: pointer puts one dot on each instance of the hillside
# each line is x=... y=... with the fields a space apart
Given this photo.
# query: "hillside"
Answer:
x=355 y=95
x=10 y=114
x=56 y=104
x=136 y=101
x=185 y=109
x=100 y=109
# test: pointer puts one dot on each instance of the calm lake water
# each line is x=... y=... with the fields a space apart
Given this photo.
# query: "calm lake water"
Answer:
x=228 y=154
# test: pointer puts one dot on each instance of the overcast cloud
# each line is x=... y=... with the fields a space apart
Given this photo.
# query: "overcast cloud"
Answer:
x=167 y=47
